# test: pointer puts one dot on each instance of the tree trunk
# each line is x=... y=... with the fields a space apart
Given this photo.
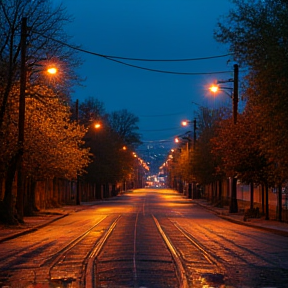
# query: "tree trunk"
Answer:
x=267 y=202
x=234 y=203
x=78 y=193
x=251 y=196
x=30 y=203
x=8 y=211
x=280 y=203
x=220 y=193
x=20 y=192
x=263 y=201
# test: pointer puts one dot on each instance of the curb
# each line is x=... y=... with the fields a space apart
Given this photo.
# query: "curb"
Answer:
x=239 y=222
x=269 y=229
x=32 y=229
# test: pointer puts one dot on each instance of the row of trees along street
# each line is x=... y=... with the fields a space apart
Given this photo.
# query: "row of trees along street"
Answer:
x=61 y=152
x=255 y=148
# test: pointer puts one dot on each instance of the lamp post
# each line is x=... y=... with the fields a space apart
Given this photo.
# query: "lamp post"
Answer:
x=188 y=141
x=233 y=204
x=185 y=123
x=191 y=186
x=184 y=137
x=21 y=119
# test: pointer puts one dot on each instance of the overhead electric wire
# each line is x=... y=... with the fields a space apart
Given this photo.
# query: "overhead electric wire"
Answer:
x=169 y=60
x=162 y=115
x=167 y=72
x=113 y=58
x=157 y=130
x=153 y=141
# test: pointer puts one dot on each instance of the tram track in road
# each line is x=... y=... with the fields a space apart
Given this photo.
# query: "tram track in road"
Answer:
x=247 y=255
x=89 y=271
x=181 y=273
x=56 y=257
x=66 y=265
x=240 y=251
x=135 y=255
x=71 y=263
x=141 y=250
x=196 y=265
x=208 y=256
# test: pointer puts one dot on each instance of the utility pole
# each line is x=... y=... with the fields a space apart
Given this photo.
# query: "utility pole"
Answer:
x=21 y=123
x=194 y=133
x=234 y=205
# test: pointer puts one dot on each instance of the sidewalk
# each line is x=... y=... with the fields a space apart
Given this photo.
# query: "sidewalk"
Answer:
x=35 y=222
x=273 y=226
x=48 y=216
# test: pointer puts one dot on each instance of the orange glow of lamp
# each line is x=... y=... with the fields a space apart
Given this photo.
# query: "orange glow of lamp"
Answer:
x=52 y=70
x=184 y=123
x=214 y=88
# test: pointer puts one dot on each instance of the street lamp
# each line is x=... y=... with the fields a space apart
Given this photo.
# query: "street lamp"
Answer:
x=191 y=186
x=235 y=97
x=185 y=136
x=233 y=204
x=214 y=88
x=187 y=157
x=21 y=119
x=52 y=70
x=97 y=125
x=185 y=123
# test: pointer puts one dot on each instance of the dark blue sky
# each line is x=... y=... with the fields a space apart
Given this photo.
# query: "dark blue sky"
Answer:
x=153 y=29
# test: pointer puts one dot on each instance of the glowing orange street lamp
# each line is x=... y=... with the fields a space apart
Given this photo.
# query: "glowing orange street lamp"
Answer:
x=52 y=70
x=214 y=88
x=185 y=123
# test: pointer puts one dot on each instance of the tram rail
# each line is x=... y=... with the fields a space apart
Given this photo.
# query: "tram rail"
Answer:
x=195 y=263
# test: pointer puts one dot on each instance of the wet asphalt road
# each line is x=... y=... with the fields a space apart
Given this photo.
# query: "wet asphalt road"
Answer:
x=213 y=251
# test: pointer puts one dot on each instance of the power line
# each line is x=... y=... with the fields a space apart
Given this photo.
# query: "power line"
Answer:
x=168 y=72
x=156 y=141
x=114 y=58
x=157 y=130
x=135 y=59
x=170 y=60
x=162 y=115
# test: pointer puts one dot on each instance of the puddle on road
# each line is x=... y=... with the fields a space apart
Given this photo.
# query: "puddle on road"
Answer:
x=212 y=280
x=56 y=283
x=63 y=283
